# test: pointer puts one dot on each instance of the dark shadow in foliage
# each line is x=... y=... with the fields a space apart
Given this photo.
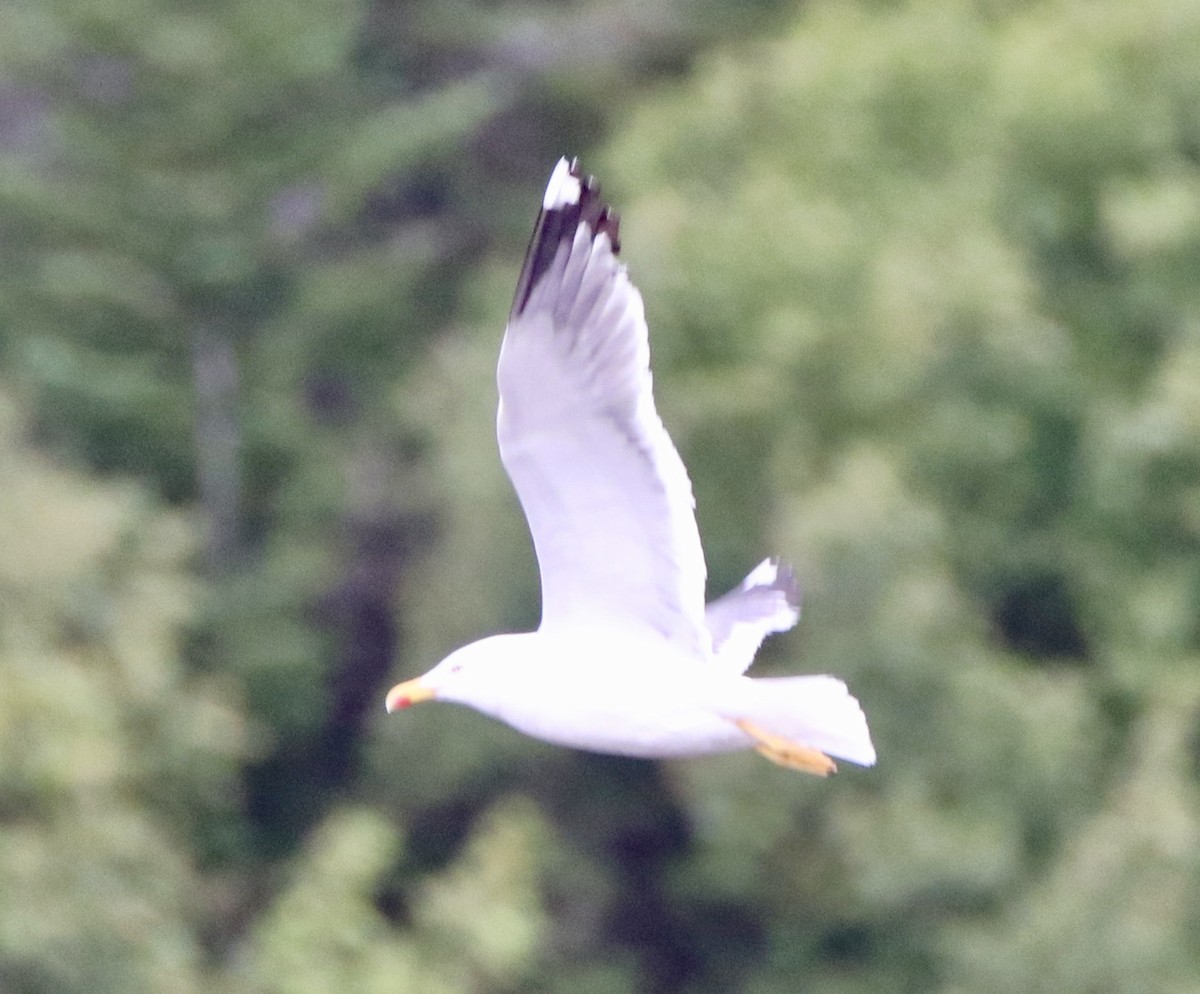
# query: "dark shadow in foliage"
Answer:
x=729 y=939
x=291 y=789
x=863 y=945
x=1036 y=616
x=435 y=837
x=850 y=942
x=621 y=813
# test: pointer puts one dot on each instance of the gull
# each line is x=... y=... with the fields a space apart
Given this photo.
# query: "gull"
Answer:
x=627 y=658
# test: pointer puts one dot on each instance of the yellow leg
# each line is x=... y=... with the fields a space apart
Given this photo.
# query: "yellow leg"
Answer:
x=787 y=753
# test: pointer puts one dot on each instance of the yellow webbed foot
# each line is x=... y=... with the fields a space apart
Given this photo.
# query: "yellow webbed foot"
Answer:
x=787 y=753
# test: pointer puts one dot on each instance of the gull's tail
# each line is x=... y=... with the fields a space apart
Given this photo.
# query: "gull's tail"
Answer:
x=767 y=601
x=816 y=711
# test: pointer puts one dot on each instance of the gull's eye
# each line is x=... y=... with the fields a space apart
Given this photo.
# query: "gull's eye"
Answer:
x=456 y=667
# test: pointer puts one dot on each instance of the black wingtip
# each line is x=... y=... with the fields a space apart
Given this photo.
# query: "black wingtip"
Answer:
x=558 y=223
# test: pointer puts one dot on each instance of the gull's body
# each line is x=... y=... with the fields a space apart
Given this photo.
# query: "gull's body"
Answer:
x=627 y=659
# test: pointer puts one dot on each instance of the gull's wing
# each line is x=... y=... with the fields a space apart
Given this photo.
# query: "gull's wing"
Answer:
x=767 y=601
x=606 y=495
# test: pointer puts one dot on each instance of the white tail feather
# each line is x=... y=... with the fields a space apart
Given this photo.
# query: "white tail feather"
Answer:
x=816 y=711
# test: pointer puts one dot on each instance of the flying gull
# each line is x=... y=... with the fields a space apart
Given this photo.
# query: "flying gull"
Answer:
x=627 y=658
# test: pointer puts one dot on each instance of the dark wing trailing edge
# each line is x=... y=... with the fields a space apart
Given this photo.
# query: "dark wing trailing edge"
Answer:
x=566 y=205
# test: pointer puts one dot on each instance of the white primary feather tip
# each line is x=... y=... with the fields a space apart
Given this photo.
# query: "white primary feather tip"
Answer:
x=763 y=575
x=563 y=187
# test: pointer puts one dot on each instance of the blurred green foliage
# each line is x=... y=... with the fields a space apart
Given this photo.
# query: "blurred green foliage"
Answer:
x=923 y=282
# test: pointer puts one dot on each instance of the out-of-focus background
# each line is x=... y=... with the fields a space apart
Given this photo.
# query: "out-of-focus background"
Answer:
x=923 y=280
